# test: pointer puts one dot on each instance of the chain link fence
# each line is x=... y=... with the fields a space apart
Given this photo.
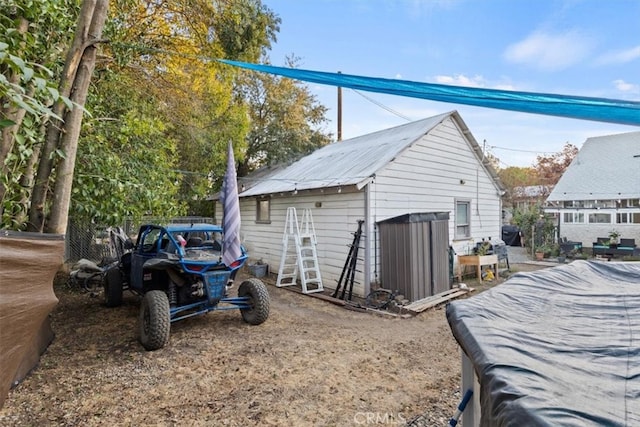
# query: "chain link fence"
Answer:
x=92 y=242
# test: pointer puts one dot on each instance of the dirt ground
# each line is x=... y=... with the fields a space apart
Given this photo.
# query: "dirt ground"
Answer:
x=312 y=363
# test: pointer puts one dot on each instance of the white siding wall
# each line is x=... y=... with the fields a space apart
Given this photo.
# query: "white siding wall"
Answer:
x=427 y=178
x=588 y=233
x=334 y=222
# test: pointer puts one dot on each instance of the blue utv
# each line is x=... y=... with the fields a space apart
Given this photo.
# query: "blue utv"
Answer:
x=178 y=271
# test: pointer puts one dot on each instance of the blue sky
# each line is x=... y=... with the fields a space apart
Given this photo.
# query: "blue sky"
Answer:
x=571 y=47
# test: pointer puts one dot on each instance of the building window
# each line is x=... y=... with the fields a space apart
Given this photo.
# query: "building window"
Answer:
x=605 y=204
x=263 y=211
x=599 y=218
x=573 y=217
x=463 y=219
x=628 y=218
x=574 y=204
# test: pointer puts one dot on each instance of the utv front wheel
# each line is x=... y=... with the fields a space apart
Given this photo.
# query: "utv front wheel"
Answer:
x=258 y=310
x=154 y=320
x=113 y=288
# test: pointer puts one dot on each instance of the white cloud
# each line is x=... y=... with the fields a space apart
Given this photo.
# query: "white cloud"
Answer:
x=620 y=56
x=550 y=52
x=475 y=81
x=461 y=80
x=504 y=87
x=623 y=86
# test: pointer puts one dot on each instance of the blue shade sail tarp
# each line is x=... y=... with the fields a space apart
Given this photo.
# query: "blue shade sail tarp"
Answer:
x=577 y=107
x=556 y=347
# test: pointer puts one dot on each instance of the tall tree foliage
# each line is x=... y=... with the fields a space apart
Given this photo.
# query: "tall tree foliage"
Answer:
x=545 y=173
x=286 y=119
x=167 y=53
x=129 y=164
x=160 y=110
x=550 y=168
x=515 y=176
x=33 y=37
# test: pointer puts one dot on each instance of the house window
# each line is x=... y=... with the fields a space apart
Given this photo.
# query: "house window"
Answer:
x=573 y=217
x=574 y=204
x=463 y=219
x=599 y=218
x=605 y=203
x=628 y=218
x=263 y=211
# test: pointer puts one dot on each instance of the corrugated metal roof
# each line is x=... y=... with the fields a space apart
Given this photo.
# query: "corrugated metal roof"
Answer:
x=606 y=167
x=530 y=191
x=349 y=162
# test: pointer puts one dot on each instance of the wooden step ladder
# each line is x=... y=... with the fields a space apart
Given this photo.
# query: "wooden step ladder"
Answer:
x=299 y=253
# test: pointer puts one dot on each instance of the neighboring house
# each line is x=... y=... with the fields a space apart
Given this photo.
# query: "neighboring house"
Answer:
x=600 y=191
x=531 y=195
x=430 y=165
x=523 y=198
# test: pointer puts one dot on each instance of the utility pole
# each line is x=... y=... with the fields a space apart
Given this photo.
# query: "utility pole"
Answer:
x=339 y=111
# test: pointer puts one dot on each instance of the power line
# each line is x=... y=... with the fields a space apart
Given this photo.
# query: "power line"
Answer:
x=523 y=151
x=379 y=104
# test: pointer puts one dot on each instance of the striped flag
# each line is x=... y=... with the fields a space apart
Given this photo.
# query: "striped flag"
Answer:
x=231 y=212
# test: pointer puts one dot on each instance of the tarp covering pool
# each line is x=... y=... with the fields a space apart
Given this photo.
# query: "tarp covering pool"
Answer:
x=556 y=347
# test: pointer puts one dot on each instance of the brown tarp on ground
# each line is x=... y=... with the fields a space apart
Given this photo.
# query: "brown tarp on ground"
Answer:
x=28 y=265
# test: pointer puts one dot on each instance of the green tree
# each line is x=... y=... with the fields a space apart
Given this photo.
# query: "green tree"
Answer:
x=515 y=177
x=532 y=219
x=129 y=164
x=165 y=52
x=286 y=119
x=32 y=36
x=160 y=110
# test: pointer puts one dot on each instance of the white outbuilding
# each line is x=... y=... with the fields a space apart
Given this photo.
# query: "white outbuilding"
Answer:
x=430 y=165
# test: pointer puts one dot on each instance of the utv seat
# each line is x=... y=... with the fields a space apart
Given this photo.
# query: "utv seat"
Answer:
x=193 y=242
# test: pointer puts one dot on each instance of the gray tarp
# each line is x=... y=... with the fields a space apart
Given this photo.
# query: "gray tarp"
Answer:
x=28 y=264
x=556 y=347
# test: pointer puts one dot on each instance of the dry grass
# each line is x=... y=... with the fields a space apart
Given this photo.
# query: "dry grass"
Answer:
x=310 y=363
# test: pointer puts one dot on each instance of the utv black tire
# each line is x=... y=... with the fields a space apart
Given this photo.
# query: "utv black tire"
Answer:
x=113 y=288
x=154 y=322
x=258 y=300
